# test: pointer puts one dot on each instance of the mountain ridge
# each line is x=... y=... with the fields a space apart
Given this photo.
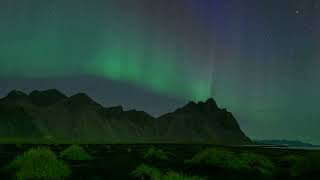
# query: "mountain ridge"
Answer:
x=78 y=117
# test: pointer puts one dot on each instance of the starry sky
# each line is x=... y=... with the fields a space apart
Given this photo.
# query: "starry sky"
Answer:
x=259 y=59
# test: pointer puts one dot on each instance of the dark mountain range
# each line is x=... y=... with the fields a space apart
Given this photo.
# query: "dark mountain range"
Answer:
x=51 y=114
x=289 y=143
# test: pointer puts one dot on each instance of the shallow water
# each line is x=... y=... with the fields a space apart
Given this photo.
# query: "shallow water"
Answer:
x=282 y=147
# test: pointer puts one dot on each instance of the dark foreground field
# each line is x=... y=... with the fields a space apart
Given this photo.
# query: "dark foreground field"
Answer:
x=117 y=161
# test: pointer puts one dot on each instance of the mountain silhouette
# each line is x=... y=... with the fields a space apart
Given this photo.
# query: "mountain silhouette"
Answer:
x=50 y=113
x=47 y=97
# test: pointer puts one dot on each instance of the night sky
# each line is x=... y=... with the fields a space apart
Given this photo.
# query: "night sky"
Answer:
x=259 y=59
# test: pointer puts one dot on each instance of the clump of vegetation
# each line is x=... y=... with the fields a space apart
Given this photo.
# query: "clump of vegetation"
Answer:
x=75 y=152
x=216 y=157
x=129 y=150
x=148 y=172
x=155 y=154
x=296 y=165
x=19 y=145
x=253 y=163
x=179 y=176
x=314 y=158
x=144 y=171
x=224 y=159
x=39 y=163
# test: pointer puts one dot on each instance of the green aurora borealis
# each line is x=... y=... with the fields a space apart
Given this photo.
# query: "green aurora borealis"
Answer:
x=64 y=41
x=259 y=59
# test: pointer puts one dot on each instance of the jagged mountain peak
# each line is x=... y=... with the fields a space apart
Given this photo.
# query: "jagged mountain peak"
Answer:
x=53 y=92
x=80 y=99
x=46 y=97
x=115 y=109
x=211 y=101
x=38 y=98
x=81 y=117
x=14 y=97
x=189 y=106
x=16 y=94
x=139 y=113
x=208 y=106
x=81 y=96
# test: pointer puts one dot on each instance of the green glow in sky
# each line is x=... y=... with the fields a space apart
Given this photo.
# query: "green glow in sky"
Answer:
x=114 y=46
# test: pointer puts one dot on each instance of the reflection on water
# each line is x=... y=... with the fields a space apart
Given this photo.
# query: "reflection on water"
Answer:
x=300 y=147
x=283 y=147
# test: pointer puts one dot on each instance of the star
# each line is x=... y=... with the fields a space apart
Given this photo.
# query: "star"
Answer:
x=297 y=12
x=268 y=38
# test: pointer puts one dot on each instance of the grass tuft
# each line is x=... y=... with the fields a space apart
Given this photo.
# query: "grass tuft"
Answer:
x=39 y=163
x=146 y=172
x=75 y=152
x=155 y=154
x=216 y=157
x=179 y=176
x=225 y=159
x=254 y=163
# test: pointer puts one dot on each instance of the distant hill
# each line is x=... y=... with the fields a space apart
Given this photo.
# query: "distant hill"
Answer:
x=52 y=114
x=285 y=143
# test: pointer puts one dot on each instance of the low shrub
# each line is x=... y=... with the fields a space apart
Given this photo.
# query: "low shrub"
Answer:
x=314 y=158
x=216 y=157
x=253 y=163
x=19 y=146
x=224 y=159
x=129 y=150
x=296 y=165
x=39 y=163
x=179 y=176
x=155 y=154
x=75 y=152
x=146 y=172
